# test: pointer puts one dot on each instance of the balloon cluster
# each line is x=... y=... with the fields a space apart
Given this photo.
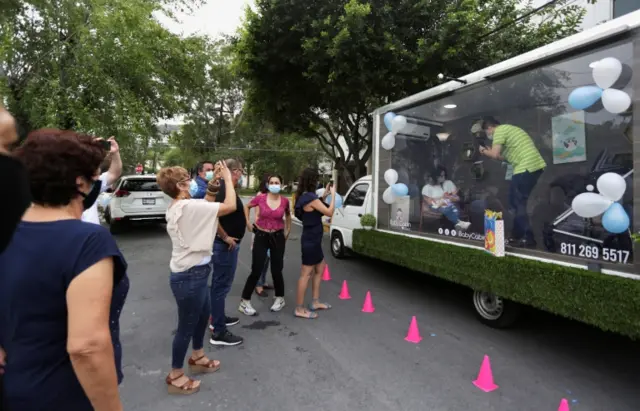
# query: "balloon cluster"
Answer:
x=605 y=74
x=589 y=205
x=394 y=124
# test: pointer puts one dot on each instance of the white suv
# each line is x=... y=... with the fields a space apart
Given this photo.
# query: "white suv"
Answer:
x=135 y=198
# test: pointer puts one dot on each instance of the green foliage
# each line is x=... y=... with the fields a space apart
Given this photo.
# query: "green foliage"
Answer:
x=609 y=302
x=368 y=220
x=105 y=67
x=319 y=68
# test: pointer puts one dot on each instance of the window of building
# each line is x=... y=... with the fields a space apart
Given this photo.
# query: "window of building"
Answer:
x=622 y=7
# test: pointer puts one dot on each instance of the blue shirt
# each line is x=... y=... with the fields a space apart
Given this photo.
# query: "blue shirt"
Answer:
x=37 y=268
x=202 y=187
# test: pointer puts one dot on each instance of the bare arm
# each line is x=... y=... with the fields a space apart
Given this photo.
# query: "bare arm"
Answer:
x=494 y=152
x=287 y=224
x=229 y=205
x=89 y=340
x=319 y=206
x=115 y=169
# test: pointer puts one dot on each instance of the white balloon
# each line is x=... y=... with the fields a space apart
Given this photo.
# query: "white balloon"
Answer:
x=398 y=123
x=615 y=101
x=388 y=196
x=388 y=141
x=589 y=205
x=606 y=72
x=612 y=186
x=391 y=176
x=320 y=192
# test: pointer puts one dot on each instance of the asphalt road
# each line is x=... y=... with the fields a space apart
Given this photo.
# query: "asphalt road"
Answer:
x=348 y=360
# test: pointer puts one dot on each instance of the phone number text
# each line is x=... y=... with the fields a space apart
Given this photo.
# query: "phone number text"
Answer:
x=596 y=253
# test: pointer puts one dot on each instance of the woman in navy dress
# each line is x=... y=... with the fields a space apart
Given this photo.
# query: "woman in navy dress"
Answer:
x=62 y=286
x=309 y=209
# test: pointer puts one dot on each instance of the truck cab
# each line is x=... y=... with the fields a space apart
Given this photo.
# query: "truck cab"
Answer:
x=357 y=203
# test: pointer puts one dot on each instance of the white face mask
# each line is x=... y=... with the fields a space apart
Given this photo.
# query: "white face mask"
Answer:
x=490 y=135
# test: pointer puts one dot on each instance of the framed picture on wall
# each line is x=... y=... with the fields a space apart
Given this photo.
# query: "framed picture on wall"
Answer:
x=569 y=138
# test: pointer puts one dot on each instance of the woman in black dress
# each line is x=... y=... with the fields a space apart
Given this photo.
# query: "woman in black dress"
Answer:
x=309 y=209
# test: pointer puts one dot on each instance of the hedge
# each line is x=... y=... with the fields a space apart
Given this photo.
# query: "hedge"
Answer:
x=609 y=302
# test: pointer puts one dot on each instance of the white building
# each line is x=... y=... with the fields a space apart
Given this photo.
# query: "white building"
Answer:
x=601 y=11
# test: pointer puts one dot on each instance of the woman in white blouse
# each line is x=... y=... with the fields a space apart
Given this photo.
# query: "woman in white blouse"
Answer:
x=192 y=226
x=441 y=194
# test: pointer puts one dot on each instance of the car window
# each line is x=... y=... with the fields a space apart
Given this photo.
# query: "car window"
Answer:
x=140 y=184
x=357 y=195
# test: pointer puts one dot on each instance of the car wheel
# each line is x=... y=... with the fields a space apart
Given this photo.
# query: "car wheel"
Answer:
x=337 y=244
x=495 y=311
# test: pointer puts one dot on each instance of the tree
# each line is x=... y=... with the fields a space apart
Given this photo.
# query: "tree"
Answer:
x=319 y=68
x=105 y=67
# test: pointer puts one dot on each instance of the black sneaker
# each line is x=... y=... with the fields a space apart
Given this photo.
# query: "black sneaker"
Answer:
x=229 y=321
x=226 y=338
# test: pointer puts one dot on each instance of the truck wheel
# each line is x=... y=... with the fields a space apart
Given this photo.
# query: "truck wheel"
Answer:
x=337 y=244
x=494 y=311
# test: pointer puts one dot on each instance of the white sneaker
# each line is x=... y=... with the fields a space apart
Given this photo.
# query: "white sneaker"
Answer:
x=278 y=304
x=246 y=308
x=463 y=225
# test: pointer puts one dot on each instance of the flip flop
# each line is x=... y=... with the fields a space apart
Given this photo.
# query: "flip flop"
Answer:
x=326 y=306
x=312 y=315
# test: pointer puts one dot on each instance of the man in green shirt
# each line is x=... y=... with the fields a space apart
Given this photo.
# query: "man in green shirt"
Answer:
x=514 y=145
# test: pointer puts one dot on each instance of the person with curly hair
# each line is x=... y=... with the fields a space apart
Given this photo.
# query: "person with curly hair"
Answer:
x=271 y=228
x=63 y=285
x=309 y=209
x=192 y=225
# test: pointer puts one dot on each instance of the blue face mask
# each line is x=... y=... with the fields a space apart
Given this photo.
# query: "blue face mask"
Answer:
x=240 y=180
x=193 y=188
x=274 y=188
x=208 y=175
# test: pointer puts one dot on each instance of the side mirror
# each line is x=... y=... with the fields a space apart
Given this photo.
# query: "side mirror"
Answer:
x=109 y=190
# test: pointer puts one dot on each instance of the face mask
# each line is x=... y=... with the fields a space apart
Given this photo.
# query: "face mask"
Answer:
x=240 y=180
x=274 y=188
x=209 y=175
x=193 y=188
x=91 y=197
x=490 y=135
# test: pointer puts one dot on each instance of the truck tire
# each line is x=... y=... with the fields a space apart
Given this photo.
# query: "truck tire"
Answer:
x=337 y=245
x=494 y=311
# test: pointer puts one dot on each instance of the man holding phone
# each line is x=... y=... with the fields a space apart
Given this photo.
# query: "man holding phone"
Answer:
x=106 y=179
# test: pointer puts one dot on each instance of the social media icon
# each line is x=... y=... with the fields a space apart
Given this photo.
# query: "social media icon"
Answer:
x=440 y=230
x=446 y=231
x=453 y=233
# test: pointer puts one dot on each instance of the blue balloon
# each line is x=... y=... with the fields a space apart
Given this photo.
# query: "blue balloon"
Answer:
x=400 y=189
x=615 y=220
x=584 y=97
x=338 y=200
x=388 y=118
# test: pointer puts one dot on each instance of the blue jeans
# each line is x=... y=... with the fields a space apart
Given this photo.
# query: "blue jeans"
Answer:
x=225 y=262
x=190 y=290
x=451 y=213
x=263 y=277
x=521 y=186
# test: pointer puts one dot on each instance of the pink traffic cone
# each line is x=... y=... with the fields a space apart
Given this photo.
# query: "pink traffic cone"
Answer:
x=368 y=304
x=564 y=405
x=413 y=335
x=326 y=276
x=344 y=293
x=485 y=376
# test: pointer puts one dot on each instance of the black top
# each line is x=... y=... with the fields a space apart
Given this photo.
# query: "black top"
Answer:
x=37 y=268
x=16 y=191
x=233 y=224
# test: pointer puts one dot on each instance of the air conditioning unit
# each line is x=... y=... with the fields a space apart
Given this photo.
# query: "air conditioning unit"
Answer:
x=417 y=130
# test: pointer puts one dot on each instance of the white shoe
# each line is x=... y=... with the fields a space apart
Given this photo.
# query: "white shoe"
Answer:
x=246 y=308
x=463 y=225
x=278 y=304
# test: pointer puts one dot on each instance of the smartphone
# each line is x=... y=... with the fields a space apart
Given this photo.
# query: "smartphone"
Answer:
x=106 y=145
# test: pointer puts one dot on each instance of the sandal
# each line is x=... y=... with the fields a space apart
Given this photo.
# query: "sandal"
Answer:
x=211 y=366
x=309 y=315
x=262 y=293
x=320 y=306
x=187 y=388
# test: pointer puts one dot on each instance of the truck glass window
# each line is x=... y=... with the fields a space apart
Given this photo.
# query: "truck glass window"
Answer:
x=357 y=195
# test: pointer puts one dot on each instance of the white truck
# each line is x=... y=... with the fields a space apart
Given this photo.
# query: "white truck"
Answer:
x=549 y=140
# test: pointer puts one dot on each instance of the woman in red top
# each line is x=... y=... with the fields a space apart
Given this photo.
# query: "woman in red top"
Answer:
x=271 y=230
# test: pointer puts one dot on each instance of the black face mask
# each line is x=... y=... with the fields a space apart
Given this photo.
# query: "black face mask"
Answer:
x=15 y=188
x=92 y=196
